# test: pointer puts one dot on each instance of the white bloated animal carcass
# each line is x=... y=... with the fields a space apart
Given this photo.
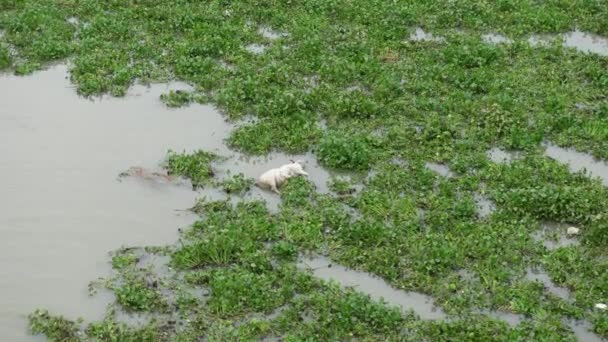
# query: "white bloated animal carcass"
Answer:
x=274 y=178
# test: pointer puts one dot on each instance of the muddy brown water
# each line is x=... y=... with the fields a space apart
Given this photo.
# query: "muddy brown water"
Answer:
x=62 y=208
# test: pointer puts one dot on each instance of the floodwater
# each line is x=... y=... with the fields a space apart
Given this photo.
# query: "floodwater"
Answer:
x=270 y=34
x=553 y=235
x=485 y=207
x=543 y=277
x=255 y=49
x=501 y=156
x=374 y=286
x=419 y=35
x=583 y=330
x=581 y=41
x=586 y=42
x=62 y=208
x=578 y=161
x=441 y=169
x=511 y=318
x=495 y=38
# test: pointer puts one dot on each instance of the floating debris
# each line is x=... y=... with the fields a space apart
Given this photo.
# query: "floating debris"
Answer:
x=573 y=231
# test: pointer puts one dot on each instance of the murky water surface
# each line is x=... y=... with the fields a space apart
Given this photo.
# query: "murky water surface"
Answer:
x=495 y=38
x=543 y=277
x=271 y=34
x=500 y=156
x=62 y=208
x=578 y=161
x=582 y=41
x=587 y=42
x=485 y=207
x=583 y=330
x=256 y=49
x=374 y=286
x=553 y=235
x=419 y=35
x=441 y=169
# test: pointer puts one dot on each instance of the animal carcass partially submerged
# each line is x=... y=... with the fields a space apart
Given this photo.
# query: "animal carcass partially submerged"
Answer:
x=274 y=178
x=140 y=172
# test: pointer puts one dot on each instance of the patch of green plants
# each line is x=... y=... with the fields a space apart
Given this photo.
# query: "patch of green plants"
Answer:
x=237 y=184
x=341 y=186
x=194 y=166
x=55 y=328
x=177 y=98
x=124 y=260
x=342 y=150
x=138 y=295
x=5 y=58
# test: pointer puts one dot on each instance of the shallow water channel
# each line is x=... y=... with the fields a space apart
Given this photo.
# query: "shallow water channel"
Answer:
x=373 y=286
x=62 y=207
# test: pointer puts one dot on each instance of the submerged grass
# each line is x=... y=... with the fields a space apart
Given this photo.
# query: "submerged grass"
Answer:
x=346 y=82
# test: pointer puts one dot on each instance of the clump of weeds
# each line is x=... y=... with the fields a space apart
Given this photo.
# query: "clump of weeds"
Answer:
x=177 y=98
x=195 y=166
x=5 y=58
x=237 y=184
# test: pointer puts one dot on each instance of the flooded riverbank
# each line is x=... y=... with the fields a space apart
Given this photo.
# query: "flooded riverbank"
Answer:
x=63 y=208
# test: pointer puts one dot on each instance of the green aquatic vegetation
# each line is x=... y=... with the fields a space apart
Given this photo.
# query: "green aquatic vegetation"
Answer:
x=139 y=295
x=39 y=31
x=284 y=250
x=176 y=98
x=5 y=58
x=341 y=186
x=230 y=235
x=546 y=190
x=195 y=166
x=55 y=328
x=26 y=68
x=58 y=328
x=237 y=184
x=109 y=330
x=264 y=291
x=336 y=314
x=346 y=151
x=290 y=134
x=124 y=260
